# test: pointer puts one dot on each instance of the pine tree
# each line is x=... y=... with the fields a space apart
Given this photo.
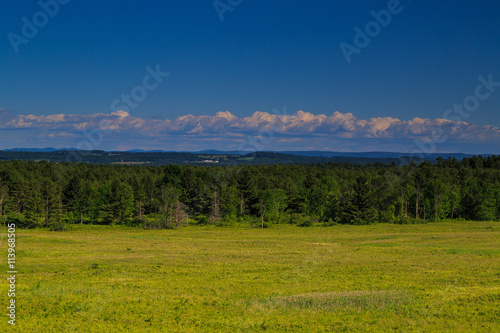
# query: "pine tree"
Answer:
x=74 y=197
x=34 y=205
x=51 y=198
x=360 y=209
x=139 y=196
x=93 y=203
x=122 y=201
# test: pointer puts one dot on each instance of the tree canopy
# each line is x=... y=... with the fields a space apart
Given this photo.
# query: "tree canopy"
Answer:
x=43 y=194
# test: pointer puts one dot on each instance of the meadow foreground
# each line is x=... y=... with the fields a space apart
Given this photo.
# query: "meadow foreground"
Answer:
x=441 y=277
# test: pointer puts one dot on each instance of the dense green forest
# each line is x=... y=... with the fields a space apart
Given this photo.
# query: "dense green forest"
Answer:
x=43 y=194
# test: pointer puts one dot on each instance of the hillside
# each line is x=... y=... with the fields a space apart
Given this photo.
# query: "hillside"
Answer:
x=182 y=158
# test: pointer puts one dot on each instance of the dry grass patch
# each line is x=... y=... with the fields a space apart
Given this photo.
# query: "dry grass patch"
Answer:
x=380 y=300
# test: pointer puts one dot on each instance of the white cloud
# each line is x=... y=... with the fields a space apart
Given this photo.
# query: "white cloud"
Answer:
x=313 y=130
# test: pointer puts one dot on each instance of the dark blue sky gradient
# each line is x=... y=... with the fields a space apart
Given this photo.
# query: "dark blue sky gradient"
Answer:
x=265 y=54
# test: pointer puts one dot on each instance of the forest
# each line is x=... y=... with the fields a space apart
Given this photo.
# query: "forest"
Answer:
x=56 y=195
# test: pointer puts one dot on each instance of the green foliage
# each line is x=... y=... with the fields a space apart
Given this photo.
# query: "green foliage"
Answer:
x=230 y=196
x=272 y=204
x=306 y=223
x=201 y=220
x=59 y=225
x=44 y=194
x=359 y=208
x=322 y=199
x=73 y=196
x=389 y=214
x=17 y=219
x=299 y=219
x=34 y=205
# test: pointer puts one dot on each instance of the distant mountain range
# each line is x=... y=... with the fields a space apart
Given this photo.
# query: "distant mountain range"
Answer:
x=328 y=154
x=36 y=150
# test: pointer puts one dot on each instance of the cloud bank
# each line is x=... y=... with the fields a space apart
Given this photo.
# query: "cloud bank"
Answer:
x=260 y=131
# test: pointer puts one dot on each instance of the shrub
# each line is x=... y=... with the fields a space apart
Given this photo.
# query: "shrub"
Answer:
x=19 y=220
x=300 y=219
x=58 y=226
x=306 y=223
x=201 y=219
x=330 y=223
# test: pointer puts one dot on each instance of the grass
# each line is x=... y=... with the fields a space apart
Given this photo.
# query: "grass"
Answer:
x=378 y=278
x=334 y=301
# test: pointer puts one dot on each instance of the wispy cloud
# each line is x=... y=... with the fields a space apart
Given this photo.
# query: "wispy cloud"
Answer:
x=302 y=130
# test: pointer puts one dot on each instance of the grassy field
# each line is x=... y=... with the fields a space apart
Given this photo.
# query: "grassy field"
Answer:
x=414 y=278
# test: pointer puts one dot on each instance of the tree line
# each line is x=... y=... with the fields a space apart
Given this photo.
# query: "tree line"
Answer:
x=43 y=194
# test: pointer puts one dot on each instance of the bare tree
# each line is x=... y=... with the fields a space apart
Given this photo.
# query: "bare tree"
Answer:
x=169 y=197
x=242 y=205
x=4 y=190
x=262 y=211
x=216 y=208
x=180 y=214
x=140 y=210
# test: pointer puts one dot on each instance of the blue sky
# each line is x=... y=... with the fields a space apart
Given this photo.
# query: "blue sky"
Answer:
x=269 y=76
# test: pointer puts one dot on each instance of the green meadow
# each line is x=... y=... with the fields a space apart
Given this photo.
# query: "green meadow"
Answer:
x=442 y=277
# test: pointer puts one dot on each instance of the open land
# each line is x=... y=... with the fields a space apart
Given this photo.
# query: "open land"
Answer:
x=415 y=278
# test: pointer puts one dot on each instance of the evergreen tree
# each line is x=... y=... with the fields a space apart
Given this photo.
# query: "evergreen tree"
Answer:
x=74 y=197
x=106 y=214
x=93 y=203
x=51 y=198
x=34 y=205
x=360 y=208
x=122 y=201
x=230 y=201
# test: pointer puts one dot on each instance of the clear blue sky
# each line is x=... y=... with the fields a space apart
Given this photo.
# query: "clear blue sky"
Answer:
x=263 y=55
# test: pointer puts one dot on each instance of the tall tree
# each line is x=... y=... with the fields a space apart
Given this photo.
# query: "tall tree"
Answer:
x=4 y=192
x=231 y=201
x=51 y=197
x=437 y=191
x=34 y=205
x=122 y=201
x=169 y=197
x=215 y=210
x=273 y=204
x=360 y=208
x=139 y=195
x=74 y=196
x=322 y=200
